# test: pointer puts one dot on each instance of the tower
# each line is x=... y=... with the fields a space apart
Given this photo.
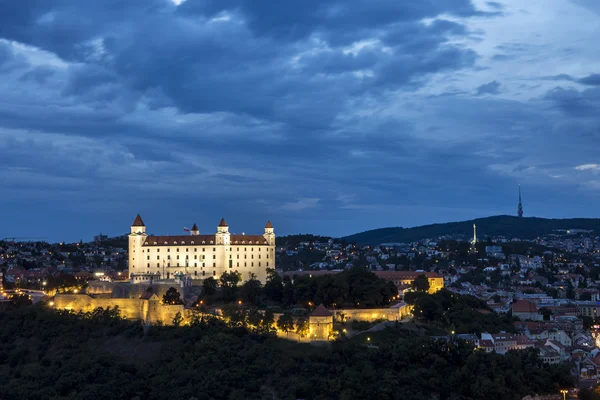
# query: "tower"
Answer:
x=269 y=233
x=137 y=237
x=520 y=208
x=474 y=240
x=195 y=231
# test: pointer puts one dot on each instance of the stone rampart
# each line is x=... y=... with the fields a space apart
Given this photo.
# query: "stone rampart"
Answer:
x=149 y=311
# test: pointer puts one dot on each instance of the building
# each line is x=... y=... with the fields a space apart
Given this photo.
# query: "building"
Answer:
x=200 y=256
x=526 y=310
x=403 y=278
x=589 y=309
x=320 y=324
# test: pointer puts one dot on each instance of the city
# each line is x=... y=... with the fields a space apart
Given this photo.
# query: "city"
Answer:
x=299 y=200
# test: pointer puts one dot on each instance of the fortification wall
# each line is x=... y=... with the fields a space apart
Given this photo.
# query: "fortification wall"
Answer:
x=148 y=311
x=370 y=315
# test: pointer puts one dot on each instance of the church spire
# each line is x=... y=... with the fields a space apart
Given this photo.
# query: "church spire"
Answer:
x=520 y=208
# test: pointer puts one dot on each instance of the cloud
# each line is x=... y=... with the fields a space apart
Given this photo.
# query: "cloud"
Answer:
x=301 y=204
x=588 y=167
x=323 y=115
x=488 y=88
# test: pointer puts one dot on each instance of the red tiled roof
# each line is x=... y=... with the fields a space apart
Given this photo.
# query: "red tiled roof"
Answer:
x=248 y=239
x=196 y=240
x=138 y=221
x=269 y=225
x=524 y=306
x=405 y=274
x=179 y=239
x=321 y=311
x=223 y=223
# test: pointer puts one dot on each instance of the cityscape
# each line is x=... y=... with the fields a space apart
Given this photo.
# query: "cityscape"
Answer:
x=299 y=200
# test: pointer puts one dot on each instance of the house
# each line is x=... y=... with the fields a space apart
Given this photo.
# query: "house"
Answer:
x=526 y=310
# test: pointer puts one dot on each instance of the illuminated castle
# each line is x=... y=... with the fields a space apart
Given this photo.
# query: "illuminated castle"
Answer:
x=199 y=256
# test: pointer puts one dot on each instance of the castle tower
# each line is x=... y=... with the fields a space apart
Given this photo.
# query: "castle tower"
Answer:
x=520 y=207
x=137 y=237
x=195 y=231
x=223 y=236
x=269 y=233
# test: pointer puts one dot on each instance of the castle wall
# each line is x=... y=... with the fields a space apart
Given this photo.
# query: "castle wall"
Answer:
x=148 y=311
x=372 y=314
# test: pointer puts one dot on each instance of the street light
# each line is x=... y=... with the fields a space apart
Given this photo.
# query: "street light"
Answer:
x=564 y=393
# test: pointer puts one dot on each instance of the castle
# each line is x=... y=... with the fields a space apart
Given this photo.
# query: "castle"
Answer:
x=197 y=256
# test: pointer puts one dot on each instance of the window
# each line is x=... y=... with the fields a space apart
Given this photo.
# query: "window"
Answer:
x=168 y=265
x=157 y=265
x=244 y=264
x=195 y=249
x=214 y=273
x=259 y=264
x=178 y=264
x=214 y=257
x=195 y=264
x=245 y=249
x=178 y=249
x=187 y=257
x=238 y=256
x=168 y=250
x=245 y=256
x=253 y=264
x=202 y=265
x=195 y=257
x=238 y=264
x=157 y=250
x=178 y=256
x=214 y=249
x=148 y=257
x=187 y=249
x=195 y=273
x=148 y=265
x=203 y=273
x=267 y=264
x=267 y=256
x=214 y=265
x=203 y=249
x=168 y=257
x=158 y=257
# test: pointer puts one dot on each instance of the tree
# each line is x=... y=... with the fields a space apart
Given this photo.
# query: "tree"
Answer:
x=274 y=286
x=302 y=327
x=172 y=297
x=229 y=282
x=426 y=308
x=286 y=323
x=421 y=284
x=209 y=286
x=178 y=319
x=251 y=291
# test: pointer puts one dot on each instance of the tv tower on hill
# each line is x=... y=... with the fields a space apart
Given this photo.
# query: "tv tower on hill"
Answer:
x=520 y=208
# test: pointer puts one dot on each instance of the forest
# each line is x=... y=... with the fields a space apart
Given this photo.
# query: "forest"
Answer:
x=47 y=354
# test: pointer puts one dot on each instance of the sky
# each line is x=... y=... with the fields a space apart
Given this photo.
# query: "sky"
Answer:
x=324 y=116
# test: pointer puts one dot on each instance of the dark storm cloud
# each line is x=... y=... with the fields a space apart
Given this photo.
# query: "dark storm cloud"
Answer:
x=299 y=110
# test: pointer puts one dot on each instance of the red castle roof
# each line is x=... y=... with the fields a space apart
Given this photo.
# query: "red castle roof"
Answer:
x=138 y=221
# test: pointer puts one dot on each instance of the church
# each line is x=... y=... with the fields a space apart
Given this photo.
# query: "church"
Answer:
x=197 y=256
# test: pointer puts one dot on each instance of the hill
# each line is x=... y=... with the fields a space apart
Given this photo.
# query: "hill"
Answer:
x=500 y=225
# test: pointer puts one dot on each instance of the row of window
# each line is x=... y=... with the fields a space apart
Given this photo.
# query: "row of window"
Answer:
x=214 y=265
x=204 y=249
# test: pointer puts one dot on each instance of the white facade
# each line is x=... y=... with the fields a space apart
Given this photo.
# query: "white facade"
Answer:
x=201 y=256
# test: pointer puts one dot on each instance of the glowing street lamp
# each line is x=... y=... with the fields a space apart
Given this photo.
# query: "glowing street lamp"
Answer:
x=564 y=393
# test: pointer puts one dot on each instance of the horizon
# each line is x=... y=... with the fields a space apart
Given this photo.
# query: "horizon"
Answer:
x=336 y=118
x=185 y=233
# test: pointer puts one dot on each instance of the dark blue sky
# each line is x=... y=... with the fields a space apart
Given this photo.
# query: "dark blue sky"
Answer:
x=329 y=117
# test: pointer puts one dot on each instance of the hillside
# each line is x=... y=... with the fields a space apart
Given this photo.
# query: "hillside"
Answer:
x=500 y=225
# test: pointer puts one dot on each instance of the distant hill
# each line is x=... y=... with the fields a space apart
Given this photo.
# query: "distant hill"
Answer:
x=500 y=225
